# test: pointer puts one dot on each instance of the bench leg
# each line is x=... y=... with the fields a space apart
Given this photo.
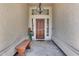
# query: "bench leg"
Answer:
x=29 y=45
x=21 y=52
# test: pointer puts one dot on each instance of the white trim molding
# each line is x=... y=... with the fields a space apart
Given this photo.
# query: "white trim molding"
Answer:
x=45 y=17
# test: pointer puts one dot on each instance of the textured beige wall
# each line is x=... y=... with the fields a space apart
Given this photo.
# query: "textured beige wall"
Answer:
x=13 y=24
x=66 y=27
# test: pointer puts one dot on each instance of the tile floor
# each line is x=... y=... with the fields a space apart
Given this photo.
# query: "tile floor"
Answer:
x=44 y=48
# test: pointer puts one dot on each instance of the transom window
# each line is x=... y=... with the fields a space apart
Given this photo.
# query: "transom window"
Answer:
x=44 y=12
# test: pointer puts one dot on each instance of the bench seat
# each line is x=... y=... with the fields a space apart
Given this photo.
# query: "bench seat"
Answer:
x=22 y=47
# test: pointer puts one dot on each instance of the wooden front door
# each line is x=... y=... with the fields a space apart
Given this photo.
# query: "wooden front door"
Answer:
x=40 y=28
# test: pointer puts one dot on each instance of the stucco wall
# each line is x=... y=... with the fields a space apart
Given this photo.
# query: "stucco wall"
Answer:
x=66 y=27
x=13 y=26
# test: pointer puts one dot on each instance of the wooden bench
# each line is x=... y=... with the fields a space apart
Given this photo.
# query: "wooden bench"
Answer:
x=22 y=47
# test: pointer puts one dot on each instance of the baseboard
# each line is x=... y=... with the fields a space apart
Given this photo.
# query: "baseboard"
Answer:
x=10 y=51
x=66 y=48
x=59 y=48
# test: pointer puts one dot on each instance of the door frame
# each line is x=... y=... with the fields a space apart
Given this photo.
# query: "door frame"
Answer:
x=34 y=22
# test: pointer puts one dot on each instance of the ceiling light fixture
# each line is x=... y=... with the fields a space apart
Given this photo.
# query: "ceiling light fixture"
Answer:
x=40 y=9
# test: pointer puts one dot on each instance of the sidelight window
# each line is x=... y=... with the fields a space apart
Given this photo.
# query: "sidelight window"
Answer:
x=47 y=26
